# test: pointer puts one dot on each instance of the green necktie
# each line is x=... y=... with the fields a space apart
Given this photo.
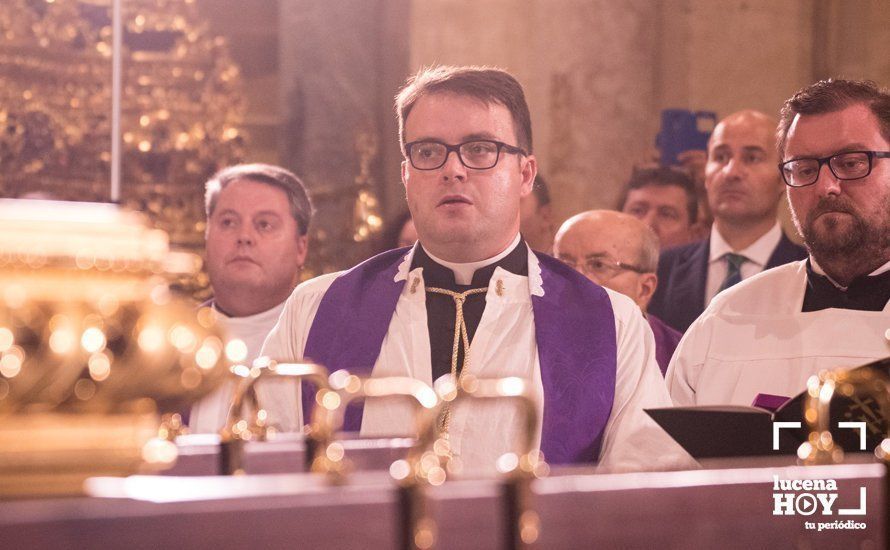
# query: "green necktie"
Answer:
x=733 y=270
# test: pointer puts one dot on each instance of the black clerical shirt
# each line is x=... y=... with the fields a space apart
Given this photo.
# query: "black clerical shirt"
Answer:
x=865 y=293
x=440 y=309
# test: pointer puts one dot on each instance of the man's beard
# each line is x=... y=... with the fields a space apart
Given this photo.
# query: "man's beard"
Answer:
x=831 y=241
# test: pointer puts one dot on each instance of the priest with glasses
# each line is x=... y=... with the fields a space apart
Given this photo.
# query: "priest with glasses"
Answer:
x=471 y=298
x=770 y=333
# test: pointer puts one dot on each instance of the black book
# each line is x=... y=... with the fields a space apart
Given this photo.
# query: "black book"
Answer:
x=720 y=431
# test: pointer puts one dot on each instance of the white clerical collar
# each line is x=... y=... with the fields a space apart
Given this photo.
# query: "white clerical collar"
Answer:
x=758 y=252
x=818 y=269
x=463 y=272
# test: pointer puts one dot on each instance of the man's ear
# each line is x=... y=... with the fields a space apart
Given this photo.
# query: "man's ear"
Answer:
x=302 y=249
x=528 y=169
x=405 y=173
x=648 y=284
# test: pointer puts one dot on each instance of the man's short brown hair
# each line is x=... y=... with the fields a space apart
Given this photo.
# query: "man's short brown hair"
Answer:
x=483 y=83
x=276 y=176
x=832 y=95
x=662 y=176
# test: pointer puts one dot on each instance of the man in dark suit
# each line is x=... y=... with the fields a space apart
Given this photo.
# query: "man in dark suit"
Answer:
x=744 y=190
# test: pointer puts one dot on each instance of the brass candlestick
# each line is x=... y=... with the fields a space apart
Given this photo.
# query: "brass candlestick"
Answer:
x=238 y=430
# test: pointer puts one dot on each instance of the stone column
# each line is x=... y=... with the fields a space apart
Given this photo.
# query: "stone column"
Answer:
x=727 y=55
x=341 y=64
x=586 y=67
x=850 y=39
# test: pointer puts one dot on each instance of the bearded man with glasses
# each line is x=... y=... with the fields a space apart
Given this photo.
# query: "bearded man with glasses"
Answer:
x=769 y=334
x=470 y=298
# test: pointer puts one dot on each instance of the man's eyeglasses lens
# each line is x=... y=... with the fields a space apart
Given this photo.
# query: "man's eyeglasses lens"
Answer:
x=600 y=269
x=479 y=155
x=844 y=166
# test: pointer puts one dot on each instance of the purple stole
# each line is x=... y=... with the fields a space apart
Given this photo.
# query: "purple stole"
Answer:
x=666 y=341
x=574 y=332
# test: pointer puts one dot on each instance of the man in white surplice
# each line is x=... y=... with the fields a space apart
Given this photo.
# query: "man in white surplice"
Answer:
x=467 y=139
x=257 y=219
x=769 y=334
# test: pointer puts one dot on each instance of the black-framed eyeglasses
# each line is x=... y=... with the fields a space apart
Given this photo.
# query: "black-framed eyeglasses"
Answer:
x=601 y=268
x=850 y=165
x=479 y=154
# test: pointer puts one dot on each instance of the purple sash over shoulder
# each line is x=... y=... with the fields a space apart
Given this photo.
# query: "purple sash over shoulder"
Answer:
x=575 y=333
x=352 y=321
x=574 y=330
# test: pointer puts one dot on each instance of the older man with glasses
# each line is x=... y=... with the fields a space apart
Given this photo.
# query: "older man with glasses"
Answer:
x=769 y=334
x=619 y=252
x=471 y=298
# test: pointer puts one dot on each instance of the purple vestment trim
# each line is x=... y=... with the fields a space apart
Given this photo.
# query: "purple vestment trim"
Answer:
x=352 y=321
x=575 y=333
x=769 y=402
x=666 y=341
x=574 y=330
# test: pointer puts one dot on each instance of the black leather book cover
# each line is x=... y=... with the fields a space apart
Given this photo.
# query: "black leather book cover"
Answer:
x=728 y=430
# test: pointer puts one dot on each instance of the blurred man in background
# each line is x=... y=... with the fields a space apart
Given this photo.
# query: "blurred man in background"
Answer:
x=744 y=190
x=257 y=219
x=665 y=199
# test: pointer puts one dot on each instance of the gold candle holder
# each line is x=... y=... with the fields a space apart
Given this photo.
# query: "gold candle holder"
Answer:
x=93 y=345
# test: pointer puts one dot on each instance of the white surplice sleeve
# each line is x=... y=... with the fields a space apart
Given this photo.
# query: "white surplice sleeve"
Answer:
x=287 y=340
x=633 y=441
x=686 y=364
